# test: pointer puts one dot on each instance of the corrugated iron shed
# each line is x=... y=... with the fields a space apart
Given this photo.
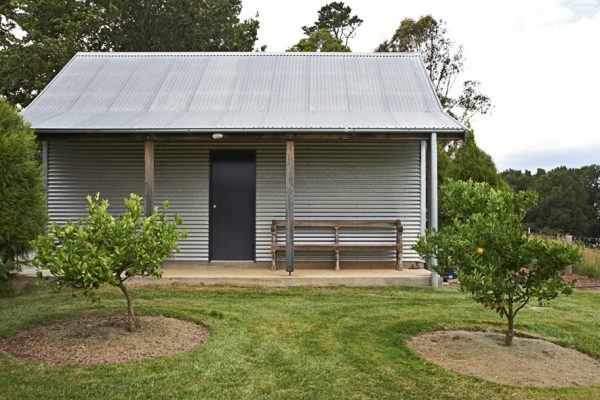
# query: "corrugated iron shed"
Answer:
x=238 y=92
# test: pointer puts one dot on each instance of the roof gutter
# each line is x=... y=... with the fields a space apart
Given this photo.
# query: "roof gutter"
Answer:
x=252 y=130
x=280 y=133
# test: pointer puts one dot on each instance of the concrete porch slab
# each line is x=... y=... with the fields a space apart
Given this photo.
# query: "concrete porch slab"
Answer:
x=247 y=275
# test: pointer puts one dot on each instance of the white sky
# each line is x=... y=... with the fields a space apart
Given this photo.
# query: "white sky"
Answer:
x=538 y=60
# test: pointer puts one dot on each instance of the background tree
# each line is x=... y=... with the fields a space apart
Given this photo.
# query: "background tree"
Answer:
x=468 y=161
x=589 y=177
x=170 y=25
x=38 y=37
x=337 y=18
x=7 y=25
x=444 y=62
x=564 y=204
x=568 y=199
x=497 y=263
x=321 y=41
x=518 y=180
x=103 y=250
x=22 y=200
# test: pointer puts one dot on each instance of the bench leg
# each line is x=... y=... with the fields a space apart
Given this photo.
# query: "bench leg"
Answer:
x=398 y=260
x=274 y=261
x=337 y=260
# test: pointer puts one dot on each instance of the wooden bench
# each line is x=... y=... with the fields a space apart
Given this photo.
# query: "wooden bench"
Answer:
x=337 y=247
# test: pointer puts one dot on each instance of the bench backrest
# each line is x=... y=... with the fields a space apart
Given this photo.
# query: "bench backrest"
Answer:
x=341 y=223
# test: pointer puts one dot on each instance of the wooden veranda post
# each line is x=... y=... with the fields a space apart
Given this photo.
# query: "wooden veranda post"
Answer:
x=273 y=245
x=337 y=250
x=148 y=177
x=399 y=249
x=289 y=206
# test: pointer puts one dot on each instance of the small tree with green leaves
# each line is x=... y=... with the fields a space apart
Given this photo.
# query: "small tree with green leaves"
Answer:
x=497 y=263
x=104 y=250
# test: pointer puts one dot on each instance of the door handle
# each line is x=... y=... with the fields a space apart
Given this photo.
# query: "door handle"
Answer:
x=214 y=206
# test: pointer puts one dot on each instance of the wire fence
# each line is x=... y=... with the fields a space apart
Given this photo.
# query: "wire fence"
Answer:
x=589 y=242
x=592 y=243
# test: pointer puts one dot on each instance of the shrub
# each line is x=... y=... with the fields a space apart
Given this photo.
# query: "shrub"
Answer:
x=22 y=200
x=103 y=250
x=497 y=263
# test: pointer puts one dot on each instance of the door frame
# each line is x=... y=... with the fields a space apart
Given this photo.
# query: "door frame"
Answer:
x=211 y=153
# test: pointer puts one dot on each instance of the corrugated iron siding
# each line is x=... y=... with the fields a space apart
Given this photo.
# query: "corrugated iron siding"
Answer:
x=76 y=170
x=334 y=180
x=350 y=180
x=181 y=177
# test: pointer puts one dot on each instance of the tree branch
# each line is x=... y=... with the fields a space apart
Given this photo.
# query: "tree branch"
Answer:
x=522 y=305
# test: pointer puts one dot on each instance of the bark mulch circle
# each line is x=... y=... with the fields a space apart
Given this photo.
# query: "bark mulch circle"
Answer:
x=104 y=339
x=528 y=362
x=583 y=282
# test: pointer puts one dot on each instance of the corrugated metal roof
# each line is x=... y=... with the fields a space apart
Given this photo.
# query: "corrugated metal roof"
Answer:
x=240 y=92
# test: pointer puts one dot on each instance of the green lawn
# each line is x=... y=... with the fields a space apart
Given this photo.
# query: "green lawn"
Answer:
x=299 y=343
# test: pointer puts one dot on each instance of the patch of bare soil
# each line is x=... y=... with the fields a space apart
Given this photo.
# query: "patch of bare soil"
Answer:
x=15 y=286
x=104 y=339
x=528 y=362
x=19 y=283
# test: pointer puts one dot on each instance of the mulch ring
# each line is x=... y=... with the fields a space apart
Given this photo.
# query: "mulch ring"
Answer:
x=105 y=339
x=583 y=282
x=528 y=362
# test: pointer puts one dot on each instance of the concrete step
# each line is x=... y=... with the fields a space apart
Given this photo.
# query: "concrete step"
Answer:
x=267 y=278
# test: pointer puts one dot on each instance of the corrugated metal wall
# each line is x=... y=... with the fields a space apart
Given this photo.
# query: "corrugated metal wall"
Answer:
x=76 y=169
x=359 y=180
x=181 y=177
x=334 y=180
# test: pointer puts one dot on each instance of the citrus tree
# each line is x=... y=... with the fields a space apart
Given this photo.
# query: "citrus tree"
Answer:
x=497 y=263
x=104 y=250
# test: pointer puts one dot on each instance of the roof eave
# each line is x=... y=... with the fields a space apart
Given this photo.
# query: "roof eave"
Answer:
x=443 y=133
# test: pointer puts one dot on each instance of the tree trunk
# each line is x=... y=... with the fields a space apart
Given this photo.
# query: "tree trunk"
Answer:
x=508 y=340
x=130 y=314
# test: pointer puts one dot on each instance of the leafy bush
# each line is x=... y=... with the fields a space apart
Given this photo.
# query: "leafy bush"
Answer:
x=497 y=263
x=22 y=200
x=103 y=250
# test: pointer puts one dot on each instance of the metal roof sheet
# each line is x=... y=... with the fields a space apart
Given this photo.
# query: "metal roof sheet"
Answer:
x=240 y=92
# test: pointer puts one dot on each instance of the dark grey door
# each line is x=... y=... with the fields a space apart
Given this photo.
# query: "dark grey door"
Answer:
x=232 y=204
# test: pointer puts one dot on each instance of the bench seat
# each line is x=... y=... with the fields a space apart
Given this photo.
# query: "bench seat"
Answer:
x=338 y=247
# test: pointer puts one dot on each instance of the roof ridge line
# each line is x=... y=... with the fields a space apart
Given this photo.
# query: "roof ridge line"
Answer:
x=244 y=54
